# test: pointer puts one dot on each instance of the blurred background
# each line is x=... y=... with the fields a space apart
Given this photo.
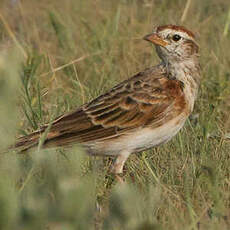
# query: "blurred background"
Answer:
x=56 y=55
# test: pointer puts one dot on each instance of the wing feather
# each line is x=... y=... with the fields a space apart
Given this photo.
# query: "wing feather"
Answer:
x=146 y=99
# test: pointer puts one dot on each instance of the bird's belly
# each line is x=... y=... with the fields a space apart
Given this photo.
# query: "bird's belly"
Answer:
x=141 y=139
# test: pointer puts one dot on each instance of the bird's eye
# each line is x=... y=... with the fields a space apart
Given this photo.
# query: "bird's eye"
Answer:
x=176 y=37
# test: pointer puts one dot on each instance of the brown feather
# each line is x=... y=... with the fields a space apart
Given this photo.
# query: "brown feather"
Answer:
x=120 y=110
x=117 y=111
x=139 y=113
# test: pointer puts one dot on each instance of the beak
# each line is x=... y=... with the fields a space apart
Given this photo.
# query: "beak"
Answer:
x=155 y=39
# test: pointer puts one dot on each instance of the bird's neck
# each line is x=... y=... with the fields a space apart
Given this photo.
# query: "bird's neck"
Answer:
x=188 y=72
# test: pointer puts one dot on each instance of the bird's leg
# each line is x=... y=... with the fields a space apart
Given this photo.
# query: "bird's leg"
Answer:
x=119 y=162
x=118 y=165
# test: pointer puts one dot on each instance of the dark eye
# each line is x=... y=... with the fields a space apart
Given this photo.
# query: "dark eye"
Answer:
x=176 y=37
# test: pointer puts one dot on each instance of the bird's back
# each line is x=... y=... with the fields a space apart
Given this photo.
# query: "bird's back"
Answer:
x=147 y=100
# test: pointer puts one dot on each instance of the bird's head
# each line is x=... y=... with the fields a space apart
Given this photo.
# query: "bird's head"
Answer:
x=173 y=43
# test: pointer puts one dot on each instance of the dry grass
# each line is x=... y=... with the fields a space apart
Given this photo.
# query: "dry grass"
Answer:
x=56 y=55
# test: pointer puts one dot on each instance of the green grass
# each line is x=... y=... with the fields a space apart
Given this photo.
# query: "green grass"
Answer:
x=65 y=53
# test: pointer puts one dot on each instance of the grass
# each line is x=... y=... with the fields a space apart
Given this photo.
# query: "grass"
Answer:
x=65 y=53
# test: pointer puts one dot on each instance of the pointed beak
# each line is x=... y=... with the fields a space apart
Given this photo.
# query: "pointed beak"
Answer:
x=155 y=39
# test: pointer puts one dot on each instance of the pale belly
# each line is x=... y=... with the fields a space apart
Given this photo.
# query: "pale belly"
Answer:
x=140 y=139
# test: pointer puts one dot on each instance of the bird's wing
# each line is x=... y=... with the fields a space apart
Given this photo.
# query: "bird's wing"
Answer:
x=147 y=99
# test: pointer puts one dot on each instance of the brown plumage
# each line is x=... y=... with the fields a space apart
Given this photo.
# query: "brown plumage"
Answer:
x=141 y=112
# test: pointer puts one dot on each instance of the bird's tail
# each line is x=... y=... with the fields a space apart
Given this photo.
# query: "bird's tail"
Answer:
x=26 y=142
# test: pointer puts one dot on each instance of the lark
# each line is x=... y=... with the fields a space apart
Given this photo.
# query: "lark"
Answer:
x=144 y=111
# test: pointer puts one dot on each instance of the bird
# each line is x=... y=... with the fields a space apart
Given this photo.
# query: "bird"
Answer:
x=137 y=114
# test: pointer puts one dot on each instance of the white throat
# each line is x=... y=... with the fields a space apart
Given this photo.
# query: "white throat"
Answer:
x=186 y=71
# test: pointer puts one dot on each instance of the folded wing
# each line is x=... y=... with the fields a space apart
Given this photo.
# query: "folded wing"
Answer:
x=144 y=100
x=147 y=99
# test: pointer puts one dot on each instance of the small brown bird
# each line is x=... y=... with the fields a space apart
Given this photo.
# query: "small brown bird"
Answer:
x=146 y=110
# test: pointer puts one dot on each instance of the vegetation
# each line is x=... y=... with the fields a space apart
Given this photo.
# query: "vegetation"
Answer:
x=56 y=55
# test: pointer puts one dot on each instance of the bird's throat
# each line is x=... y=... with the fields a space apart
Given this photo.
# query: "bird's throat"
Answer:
x=188 y=72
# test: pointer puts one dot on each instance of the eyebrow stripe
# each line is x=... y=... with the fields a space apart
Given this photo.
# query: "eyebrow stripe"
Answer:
x=178 y=28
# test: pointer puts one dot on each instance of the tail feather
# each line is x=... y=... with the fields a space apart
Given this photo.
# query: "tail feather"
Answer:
x=26 y=142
